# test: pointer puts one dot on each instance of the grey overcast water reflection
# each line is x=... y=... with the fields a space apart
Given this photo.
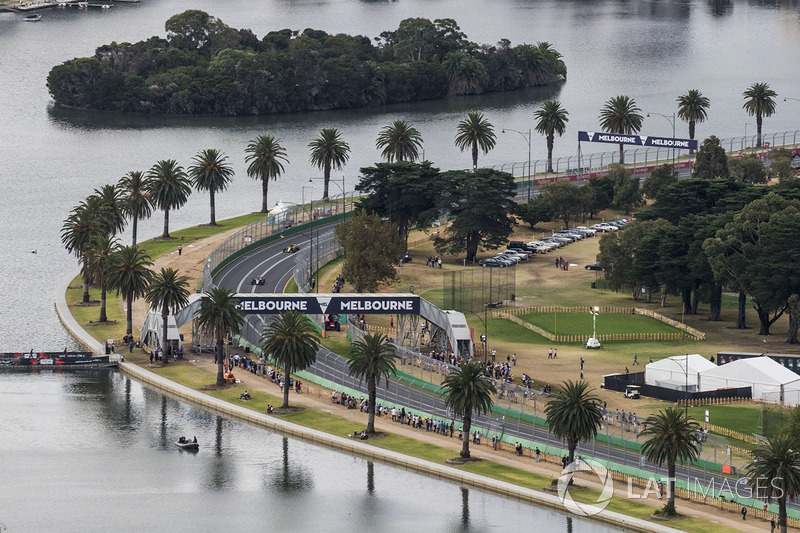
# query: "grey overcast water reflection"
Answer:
x=86 y=452
x=93 y=452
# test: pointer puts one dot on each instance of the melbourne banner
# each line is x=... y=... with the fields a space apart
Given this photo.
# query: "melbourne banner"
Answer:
x=637 y=140
x=324 y=304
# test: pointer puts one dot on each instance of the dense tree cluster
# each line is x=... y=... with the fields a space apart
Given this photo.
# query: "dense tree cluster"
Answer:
x=206 y=67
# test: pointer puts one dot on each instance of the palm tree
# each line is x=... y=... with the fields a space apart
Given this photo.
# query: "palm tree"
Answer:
x=329 y=151
x=621 y=115
x=98 y=255
x=468 y=391
x=113 y=207
x=371 y=359
x=475 y=132
x=573 y=414
x=86 y=220
x=211 y=173
x=219 y=313
x=671 y=439
x=551 y=119
x=169 y=188
x=693 y=108
x=168 y=292
x=129 y=273
x=400 y=142
x=290 y=340
x=776 y=469
x=135 y=199
x=759 y=103
x=266 y=157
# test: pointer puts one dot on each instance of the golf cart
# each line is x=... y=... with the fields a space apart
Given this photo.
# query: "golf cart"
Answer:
x=632 y=392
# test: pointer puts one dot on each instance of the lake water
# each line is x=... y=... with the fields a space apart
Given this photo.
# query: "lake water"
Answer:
x=94 y=452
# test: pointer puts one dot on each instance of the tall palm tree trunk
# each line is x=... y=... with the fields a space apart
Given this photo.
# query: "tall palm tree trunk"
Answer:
x=782 y=513
x=164 y=315
x=129 y=316
x=572 y=445
x=621 y=154
x=166 y=224
x=550 y=143
x=671 y=483
x=220 y=359
x=691 y=133
x=134 y=227
x=85 y=288
x=285 y=389
x=327 y=175
x=465 y=437
x=213 y=208
x=103 y=316
x=264 y=191
x=373 y=393
x=474 y=155
x=758 y=130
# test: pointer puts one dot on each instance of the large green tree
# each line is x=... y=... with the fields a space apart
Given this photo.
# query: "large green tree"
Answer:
x=266 y=157
x=372 y=359
x=748 y=169
x=776 y=470
x=329 y=151
x=565 y=199
x=759 y=102
x=129 y=274
x=400 y=141
x=98 y=255
x=551 y=118
x=85 y=221
x=210 y=172
x=290 y=340
x=403 y=192
x=219 y=312
x=169 y=188
x=670 y=437
x=693 y=108
x=475 y=132
x=658 y=179
x=481 y=203
x=168 y=292
x=621 y=115
x=711 y=161
x=468 y=391
x=573 y=414
x=537 y=210
x=372 y=249
x=113 y=207
x=135 y=197
x=627 y=193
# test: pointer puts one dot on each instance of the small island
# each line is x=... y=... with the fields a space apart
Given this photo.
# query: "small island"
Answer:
x=206 y=67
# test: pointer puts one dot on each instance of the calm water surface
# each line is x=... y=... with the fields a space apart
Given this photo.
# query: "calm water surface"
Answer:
x=94 y=452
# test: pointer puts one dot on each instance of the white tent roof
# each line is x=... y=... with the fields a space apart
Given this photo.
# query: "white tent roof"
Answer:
x=674 y=372
x=753 y=370
x=281 y=208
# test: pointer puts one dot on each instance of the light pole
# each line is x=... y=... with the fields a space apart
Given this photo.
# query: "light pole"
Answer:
x=304 y=202
x=484 y=337
x=686 y=385
x=593 y=342
x=341 y=188
x=672 y=123
x=527 y=137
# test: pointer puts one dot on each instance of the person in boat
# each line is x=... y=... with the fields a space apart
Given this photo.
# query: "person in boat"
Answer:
x=182 y=440
x=195 y=439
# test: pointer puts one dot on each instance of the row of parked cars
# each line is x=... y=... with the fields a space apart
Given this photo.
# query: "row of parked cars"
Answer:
x=521 y=251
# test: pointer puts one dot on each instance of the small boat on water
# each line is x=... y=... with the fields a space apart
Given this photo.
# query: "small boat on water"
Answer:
x=33 y=17
x=187 y=445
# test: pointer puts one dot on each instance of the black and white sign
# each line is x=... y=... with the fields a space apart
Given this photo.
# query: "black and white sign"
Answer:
x=323 y=304
x=637 y=140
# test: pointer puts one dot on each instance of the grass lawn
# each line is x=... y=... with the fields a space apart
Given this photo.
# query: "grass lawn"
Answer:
x=743 y=418
x=607 y=324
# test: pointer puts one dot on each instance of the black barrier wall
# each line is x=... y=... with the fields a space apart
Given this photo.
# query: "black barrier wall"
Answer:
x=618 y=383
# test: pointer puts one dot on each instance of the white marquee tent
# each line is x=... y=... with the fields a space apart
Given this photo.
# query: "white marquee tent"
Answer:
x=770 y=381
x=675 y=372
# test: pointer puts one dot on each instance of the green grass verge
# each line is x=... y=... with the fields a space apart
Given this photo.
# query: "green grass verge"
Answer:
x=607 y=324
x=743 y=418
x=338 y=344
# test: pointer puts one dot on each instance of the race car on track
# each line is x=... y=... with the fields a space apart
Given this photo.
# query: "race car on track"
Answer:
x=292 y=248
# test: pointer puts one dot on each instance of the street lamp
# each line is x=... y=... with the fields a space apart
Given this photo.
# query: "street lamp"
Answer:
x=484 y=337
x=593 y=342
x=341 y=188
x=672 y=123
x=304 y=202
x=527 y=137
x=686 y=386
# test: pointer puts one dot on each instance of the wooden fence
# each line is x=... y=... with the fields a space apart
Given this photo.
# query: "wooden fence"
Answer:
x=511 y=313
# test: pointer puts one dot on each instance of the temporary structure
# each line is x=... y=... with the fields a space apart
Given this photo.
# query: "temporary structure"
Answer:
x=678 y=372
x=770 y=381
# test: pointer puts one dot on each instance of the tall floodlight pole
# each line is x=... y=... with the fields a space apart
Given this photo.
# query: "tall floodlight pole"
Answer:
x=527 y=137
x=672 y=123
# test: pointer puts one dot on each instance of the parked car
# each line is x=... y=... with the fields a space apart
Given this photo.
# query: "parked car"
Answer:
x=492 y=262
x=509 y=260
x=594 y=266
x=590 y=231
x=525 y=252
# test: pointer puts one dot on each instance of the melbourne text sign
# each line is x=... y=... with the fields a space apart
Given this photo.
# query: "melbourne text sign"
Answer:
x=322 y=304
x=637 y=140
